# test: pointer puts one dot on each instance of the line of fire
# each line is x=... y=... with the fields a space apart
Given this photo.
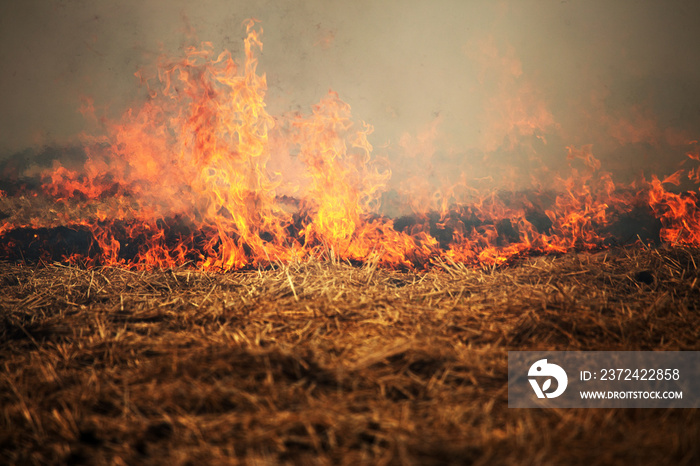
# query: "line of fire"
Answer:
x=189 y=178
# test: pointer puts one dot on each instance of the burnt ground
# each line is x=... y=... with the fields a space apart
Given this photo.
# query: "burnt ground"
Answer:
x=321 y=363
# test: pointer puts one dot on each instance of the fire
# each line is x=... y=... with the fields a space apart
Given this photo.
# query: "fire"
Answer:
x=187 y=179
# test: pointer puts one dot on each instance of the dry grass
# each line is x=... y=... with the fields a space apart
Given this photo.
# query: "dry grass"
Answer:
x=320 y=363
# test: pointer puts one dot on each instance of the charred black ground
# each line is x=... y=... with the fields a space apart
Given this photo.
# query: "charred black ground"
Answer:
x=49 y=244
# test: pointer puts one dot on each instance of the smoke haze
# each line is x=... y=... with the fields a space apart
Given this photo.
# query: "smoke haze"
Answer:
x=476 y=84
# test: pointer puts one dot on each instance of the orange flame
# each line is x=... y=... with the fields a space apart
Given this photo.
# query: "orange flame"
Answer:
x=184 y=179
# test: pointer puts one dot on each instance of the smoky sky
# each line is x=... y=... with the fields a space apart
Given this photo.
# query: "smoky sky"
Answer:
x=455 y=77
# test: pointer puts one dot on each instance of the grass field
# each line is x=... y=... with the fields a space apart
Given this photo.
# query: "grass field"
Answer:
x=325 y=363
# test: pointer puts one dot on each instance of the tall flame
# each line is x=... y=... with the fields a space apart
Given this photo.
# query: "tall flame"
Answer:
x=184 y=179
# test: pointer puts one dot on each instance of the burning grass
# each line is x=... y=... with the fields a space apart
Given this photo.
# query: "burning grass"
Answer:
x=200 y=173
x=320 y=362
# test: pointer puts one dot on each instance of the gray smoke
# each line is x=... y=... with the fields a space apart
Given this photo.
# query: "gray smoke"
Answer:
x=476 y=84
